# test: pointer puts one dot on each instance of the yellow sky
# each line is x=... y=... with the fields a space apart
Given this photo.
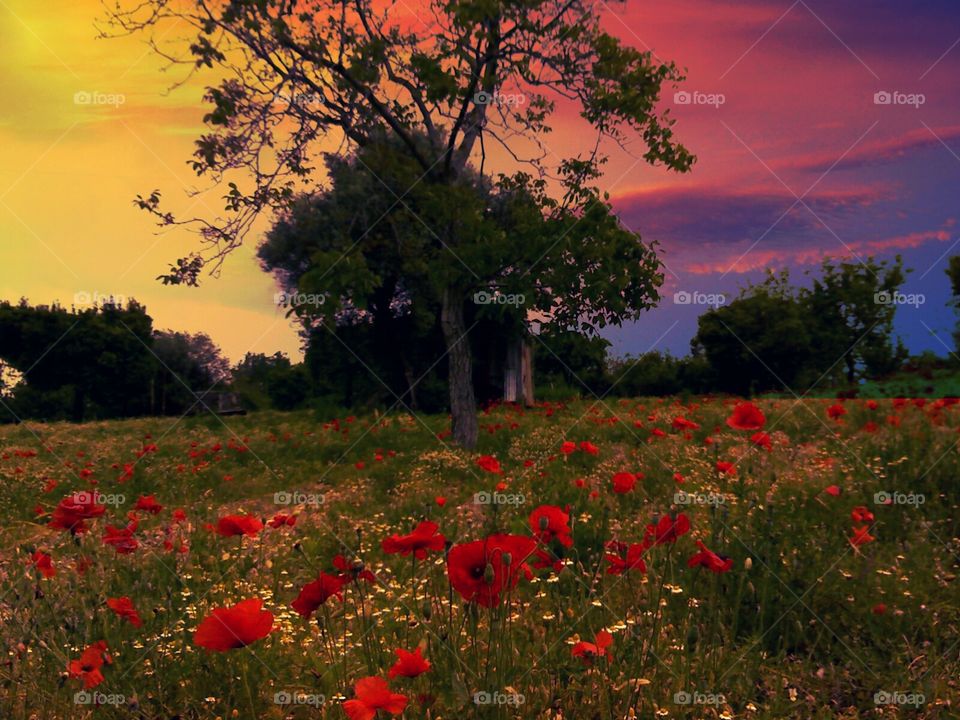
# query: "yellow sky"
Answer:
x=85 y=125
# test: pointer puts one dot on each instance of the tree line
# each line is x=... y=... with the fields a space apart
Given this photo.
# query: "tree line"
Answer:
x=109 y=361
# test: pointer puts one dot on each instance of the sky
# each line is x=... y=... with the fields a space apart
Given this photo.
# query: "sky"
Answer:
x=821 y=129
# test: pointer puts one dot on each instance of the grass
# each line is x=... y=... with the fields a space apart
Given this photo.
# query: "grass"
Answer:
x=793 y=630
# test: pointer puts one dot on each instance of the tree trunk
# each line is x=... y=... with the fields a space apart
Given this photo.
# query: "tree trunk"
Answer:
x=463 y=404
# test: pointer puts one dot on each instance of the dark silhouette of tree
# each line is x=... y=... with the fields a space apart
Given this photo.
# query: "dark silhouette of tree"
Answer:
x=475 y=73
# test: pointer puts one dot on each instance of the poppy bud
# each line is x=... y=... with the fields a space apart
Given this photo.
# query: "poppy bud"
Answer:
x=544 y=522
x=489 y=574
x=427 y=611
x=748 y=563
x=506 y=558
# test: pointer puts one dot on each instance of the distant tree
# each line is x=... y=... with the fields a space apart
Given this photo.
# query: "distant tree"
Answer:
x=852 y=306
x=953 y=273
x=293 y=76
x=77 y=364
x=579 y=361
x=759 y=342
x=271 y=381
x=188 y=366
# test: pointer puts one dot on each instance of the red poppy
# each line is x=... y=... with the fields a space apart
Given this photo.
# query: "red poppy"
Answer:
x=123 y=607
x=668 y=529
x=710 y=560
x=88 y=666
x=861 y=536
x=568 y=447
x=861 y=514
x=409 y=664
x=490 y=464
x=121 y=539
x=549 y=522
x=372 y=694
x=232 y=525
x=316 y=593
x=879 y=609
x=237 y=626
x=440 y=500
x=628 y=557
x=726 y=468
x=681 y=423
x=281 y=519
x=678 y=478
x=43 y=563
x=623 y=482
x=424 y=537
x=148 y=503
x=761 y=439
x=835 y=412
x=350 y=571
x=598 y=648
x=589 y=448
x=833 y=490
x=483 y=569
x=746 y=416
x=73 y=510
x=179 y=516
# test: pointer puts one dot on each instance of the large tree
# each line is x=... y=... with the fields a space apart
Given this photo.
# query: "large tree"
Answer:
x=301 y=75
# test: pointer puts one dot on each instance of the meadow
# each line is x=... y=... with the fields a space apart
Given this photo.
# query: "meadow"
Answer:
x=710 y=558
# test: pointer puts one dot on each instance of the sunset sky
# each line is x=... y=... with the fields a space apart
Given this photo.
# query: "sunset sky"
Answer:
x=798 y=161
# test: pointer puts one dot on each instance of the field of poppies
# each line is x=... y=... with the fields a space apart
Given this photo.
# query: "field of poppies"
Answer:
x=711 y=558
